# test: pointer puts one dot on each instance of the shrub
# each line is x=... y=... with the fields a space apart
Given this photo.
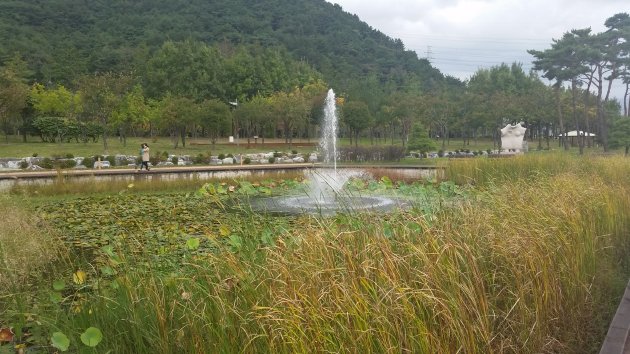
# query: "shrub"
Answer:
x=175 y=160
x=272 y=159
x=35 y=154
x=154 y=160
x=200 y=159
x=88 y=162
x=294 y=152
x=221 y=156
x=230 y=156
x=23 y=164
x=46 y=163
x=69 y=163
x=111 y=159
x=69 y=156
x=247 y=161
x=373 y=153
x=441 y=153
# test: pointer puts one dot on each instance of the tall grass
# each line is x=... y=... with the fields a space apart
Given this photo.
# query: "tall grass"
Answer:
x=531 y=265
x=27 y=247
x=29 y=252
x=63 y=185
x=490 y=171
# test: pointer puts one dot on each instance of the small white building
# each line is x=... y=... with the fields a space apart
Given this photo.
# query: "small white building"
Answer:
x=574 y=134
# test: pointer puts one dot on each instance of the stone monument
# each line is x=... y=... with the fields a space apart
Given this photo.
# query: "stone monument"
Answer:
x=512 y=138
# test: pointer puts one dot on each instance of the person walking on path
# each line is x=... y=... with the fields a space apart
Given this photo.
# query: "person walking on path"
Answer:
x=139 y=158
x=145 y=156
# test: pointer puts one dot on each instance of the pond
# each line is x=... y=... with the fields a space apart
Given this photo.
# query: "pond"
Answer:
x=7 y=183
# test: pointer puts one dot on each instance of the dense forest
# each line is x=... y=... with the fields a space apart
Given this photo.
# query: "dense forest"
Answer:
x=62 y=39
x=70 y=69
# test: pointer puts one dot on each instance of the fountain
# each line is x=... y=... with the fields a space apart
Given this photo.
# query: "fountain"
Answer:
x=325 y=194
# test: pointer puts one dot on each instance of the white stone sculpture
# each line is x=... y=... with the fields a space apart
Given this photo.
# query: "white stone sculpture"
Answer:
x=512 y=137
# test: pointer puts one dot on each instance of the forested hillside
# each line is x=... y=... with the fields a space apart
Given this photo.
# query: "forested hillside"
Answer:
x=62 y=39
x=180 y=67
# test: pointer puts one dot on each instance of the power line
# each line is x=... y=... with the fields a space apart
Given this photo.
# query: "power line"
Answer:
x=481 y=40
x=429 y=53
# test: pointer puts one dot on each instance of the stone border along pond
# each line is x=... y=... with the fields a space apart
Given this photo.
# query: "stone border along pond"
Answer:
x=10 y=179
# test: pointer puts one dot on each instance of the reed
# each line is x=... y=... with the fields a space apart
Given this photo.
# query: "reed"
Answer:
x=27 y=247
x=489 y=171
x=137 y=184
x=519 y=269
x=533 y=263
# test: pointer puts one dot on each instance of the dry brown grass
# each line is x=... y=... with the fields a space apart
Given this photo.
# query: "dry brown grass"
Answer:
x=27 y=246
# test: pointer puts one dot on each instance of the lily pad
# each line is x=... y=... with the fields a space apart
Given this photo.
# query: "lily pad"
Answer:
x=60 y=341
x=59 y=284
x=92 y=337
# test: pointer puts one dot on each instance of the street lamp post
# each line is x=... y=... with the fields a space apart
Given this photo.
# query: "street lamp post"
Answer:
x=233 y=106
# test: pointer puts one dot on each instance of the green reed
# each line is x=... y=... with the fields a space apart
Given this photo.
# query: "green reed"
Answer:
x=532 y=263
x=142 y=183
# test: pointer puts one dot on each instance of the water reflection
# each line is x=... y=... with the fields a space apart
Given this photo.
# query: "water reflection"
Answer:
x=7 y=184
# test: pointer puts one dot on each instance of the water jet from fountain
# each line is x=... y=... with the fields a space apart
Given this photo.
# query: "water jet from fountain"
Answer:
x=326 y=195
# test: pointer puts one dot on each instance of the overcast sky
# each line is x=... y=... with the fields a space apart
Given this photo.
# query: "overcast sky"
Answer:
x=461 y=36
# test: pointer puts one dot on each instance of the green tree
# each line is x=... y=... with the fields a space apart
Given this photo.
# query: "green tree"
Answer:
x=186 y=69
x=419 y=139
x=291 y=110
x=176 y=115
x=130 y=112
x=357 y=117
x=253 y=116
x=215 y=117
x=13 y=94
x=620 y=136
x=56 y=101
x=406 y=109
x=101 y=95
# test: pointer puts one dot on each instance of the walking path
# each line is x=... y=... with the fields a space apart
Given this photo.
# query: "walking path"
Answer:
x=618 y=338
x=182 y=169
x=154 y=170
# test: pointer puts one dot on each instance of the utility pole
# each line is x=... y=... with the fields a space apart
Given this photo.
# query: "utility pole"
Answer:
x=429 y=56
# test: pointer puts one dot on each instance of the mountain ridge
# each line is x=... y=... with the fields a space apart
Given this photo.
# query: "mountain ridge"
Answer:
x=61 y=39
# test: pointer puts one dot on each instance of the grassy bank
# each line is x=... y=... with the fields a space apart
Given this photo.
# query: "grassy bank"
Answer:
x=194 y=147
x=533 y=260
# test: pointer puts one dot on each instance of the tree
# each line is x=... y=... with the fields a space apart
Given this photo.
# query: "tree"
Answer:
x=405 y=110
x=291 y=110
x=132 y=111
x=419 y=139
x=253 y=116
x=215 y=118
x=579 y=57
x=356 y=116
x=616 y=52
x=620 y=136
x=13 y=94
x=101 y=95
x=56 y=102
x=186 y=69
x=176 y=115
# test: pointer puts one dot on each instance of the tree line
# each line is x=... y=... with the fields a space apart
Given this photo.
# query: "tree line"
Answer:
x=190 y=88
